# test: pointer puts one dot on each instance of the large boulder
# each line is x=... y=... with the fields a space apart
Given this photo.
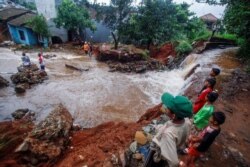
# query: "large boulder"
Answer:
x=32 y=67
x=49 y=138
x=21 y=88
x=27 y=76
x=3 y=82
x=20 y=113
x=76 y=67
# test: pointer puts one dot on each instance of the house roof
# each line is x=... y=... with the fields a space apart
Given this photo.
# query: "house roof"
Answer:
x=21 y=21
x=8 y=13
x=209 y=17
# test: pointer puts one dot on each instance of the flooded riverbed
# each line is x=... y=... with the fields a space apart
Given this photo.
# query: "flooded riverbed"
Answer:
x=94 y=96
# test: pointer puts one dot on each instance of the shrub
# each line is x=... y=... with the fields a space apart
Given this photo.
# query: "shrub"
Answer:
x=184 y=47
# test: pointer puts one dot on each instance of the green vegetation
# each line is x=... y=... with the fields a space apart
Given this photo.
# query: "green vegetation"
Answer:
x=28 y=5
x=39 y=25
x=236 y=20
x=72 y=17
x=184 y=47
x=114 y=16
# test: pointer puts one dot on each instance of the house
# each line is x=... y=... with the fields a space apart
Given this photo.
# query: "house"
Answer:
x=13 y=27
x=48 y=9
x=6 y=15
x=210 y=20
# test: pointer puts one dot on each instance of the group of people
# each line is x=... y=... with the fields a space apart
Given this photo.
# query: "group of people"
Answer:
x=87 y=48
x=27 y=63
x=191 y=130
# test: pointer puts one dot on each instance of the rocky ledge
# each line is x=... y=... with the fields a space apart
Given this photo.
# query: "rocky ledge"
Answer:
x=3 y=82
x=128 y=59
x=27 y=76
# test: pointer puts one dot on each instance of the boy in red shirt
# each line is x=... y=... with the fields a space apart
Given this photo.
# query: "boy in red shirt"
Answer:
x=201 y=100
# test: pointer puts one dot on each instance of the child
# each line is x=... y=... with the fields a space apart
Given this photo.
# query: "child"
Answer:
x=201 y=119
x=201 y=100
x=213 y=73
x=25 y=60
x=41 y=62
x=200 y=144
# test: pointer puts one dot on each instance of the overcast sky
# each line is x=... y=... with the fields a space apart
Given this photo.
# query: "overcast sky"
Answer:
x=198 y=8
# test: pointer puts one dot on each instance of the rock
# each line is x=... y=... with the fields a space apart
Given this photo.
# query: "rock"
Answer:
x=20 y=113
x=3 y=82
x=21 y=88
x=76 y=67
x=50 y=137
x=245 y=90
x=49 y=56
x=23 y=147
x=141 y=69
x=236 y=155
x=7 y=43
x=26 y=77
x=32 y=67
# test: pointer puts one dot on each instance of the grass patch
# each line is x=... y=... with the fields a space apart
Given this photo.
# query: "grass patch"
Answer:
x=184 y=47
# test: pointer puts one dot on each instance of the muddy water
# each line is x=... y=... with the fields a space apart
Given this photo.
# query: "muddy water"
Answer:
x=97 y=95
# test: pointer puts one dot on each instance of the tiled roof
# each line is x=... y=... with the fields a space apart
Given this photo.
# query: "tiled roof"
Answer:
x=20 y=21
x=209 y=17
x=8 y=13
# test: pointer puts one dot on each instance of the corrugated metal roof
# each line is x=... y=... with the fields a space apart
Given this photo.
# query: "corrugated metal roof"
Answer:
x=20 y=21
x=7 y=13
x=209 y=17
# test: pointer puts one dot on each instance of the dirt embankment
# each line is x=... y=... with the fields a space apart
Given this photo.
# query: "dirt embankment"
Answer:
x=104 y=145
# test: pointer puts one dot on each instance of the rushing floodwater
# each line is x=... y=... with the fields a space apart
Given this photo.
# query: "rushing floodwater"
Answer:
x=97 y=95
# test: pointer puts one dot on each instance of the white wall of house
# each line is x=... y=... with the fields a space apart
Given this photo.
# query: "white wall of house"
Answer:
x=48 y=9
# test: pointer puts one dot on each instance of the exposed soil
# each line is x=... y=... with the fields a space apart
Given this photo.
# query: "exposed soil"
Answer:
x=104 y=145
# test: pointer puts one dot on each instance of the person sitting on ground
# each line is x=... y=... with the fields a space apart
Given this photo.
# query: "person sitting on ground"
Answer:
x=201 y=100
x=41 y=61
x=201 y=118
x=200 y=143
x=25 y=60
x=173 y=134
x=86 y=48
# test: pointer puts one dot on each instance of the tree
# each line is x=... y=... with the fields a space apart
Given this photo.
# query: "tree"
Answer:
x=158 y=21
x=28 y=5
x=72 y=17
x=39 y=25
x=236 y=20
x=115 y=17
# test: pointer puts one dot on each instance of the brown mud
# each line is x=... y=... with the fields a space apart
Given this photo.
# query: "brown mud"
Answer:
x=104 y=145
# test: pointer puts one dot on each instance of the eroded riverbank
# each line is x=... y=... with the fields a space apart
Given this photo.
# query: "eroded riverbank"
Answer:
x=96 y=146
x=93 y=96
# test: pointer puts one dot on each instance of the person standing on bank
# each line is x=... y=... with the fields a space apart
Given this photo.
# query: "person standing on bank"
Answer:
x=41 y=61
x=173 y=134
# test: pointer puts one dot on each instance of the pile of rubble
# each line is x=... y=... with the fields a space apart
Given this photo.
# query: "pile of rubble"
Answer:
x=48 y=139
x=137 y=66
x=128 y=59
x=27 y=76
